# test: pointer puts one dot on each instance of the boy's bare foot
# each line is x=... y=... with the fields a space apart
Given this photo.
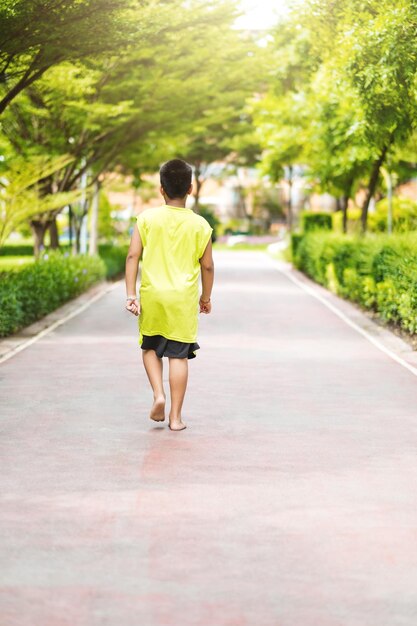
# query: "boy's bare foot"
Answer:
x=158 y=409
x=177 y=424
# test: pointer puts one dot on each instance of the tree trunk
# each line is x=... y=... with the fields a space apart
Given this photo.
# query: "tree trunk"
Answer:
x=53 y=234
x=70 y=225
x=198 y=185
x=38 y=231
x=242 y=204
x=373 y=180
x=77 y=238
x=345 y=203
x=93 y=239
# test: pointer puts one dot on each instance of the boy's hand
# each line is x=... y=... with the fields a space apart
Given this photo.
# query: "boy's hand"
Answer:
x=205 y=305
x=132 y=305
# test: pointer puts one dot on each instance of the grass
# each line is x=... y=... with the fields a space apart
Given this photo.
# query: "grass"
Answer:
x=9 y=262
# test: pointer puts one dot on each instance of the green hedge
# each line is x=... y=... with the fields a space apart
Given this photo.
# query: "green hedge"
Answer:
x=29 y=293
x=313 y=220
x=16 y=250
x=404 y=216
x=114 y=258
x=378 y=272
x=295 y=242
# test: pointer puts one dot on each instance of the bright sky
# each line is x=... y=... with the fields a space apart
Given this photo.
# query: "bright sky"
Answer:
x=261 y=13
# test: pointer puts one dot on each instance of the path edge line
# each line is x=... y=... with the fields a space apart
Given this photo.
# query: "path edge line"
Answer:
x=57 y=323
x=310 y=290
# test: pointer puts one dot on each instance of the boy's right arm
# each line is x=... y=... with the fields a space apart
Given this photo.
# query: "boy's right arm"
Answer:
x=207 y=278
x=131 y=271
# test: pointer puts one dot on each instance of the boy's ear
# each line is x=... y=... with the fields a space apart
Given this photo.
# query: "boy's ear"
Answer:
x=161 y=190
x=190 y=191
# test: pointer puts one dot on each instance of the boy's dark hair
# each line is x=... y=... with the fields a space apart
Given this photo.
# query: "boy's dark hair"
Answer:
x=175 y=178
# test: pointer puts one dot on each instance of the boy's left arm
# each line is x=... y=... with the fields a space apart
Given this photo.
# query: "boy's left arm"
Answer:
x=131 y=271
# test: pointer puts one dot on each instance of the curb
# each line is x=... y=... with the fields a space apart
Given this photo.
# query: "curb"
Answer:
x=384 y=339
x=9 y=346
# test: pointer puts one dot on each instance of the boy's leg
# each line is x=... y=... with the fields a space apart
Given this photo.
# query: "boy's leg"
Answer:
x=153 y=367
x=178 y=377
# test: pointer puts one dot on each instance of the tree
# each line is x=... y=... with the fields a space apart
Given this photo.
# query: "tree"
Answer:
x=134 y=108
x=282 y=114
x=337 y=151
x=373 y=46
x=20 y=197
x=357 y=87
x=192 y=91
x=38 y=34
x=282 y=123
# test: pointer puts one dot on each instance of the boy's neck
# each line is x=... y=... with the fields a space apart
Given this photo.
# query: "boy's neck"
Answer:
x=179 y=202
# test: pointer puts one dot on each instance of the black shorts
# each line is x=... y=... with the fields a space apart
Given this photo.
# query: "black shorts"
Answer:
x=169 y=347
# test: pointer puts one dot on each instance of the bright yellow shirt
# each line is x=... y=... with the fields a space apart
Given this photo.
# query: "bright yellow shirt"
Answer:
x=173 y=239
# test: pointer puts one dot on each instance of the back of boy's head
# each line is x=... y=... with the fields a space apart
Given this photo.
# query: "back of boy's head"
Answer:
x=176 y=178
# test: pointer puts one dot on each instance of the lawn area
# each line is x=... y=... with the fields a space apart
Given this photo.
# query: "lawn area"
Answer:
x=10 y=262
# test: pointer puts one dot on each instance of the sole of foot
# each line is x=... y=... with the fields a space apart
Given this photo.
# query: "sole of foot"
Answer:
x=181 y=427
x=157 y=413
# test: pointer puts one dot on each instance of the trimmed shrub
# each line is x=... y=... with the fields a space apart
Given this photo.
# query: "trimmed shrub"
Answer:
x=114 y=258
x=378 y=272
x=404 y=216
x=295 y=240
x=311 y=220
x=16 y=250
x=29 y=293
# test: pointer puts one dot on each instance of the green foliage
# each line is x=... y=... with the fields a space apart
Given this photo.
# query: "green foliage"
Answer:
x=16 y=249
x=11 y=262
x=114 y=258
x=311 y=220
x=29 y=293
x=235 y=225
x=404 y=216
x=342 y=95
x=106 y=228
x=20 y=195
x=353 y=221
x=118 y=102
x=378 y=272
x=295 y=242
x=38 y=34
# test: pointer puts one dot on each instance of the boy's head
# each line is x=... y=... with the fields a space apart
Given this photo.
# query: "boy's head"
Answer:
x=175 y=178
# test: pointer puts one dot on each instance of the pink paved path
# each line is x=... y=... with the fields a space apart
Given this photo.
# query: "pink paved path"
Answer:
x=290 y=500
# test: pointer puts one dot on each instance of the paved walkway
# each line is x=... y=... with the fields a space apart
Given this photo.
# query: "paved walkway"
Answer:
x=290 y=500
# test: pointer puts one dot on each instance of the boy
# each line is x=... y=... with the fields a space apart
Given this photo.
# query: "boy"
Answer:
x=176 y=246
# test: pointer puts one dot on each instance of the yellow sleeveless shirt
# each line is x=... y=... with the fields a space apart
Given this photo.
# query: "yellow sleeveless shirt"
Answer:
x=173 y=239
